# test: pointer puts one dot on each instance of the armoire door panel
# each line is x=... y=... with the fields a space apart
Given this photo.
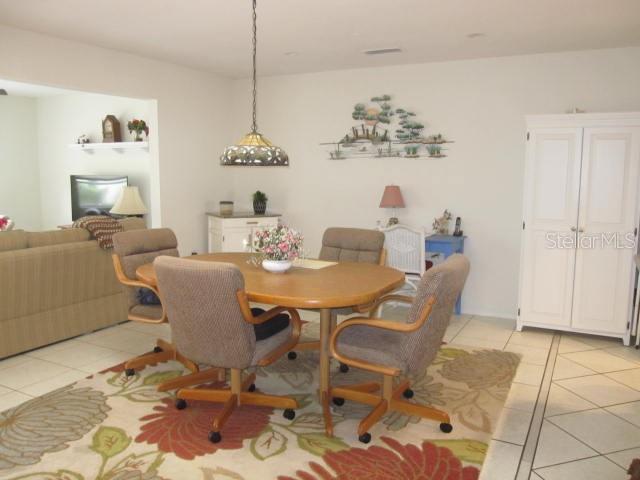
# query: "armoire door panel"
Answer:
x=604 y=199
x=551 y=208
x=552 y=170
x=607 y=217
x=550 y=281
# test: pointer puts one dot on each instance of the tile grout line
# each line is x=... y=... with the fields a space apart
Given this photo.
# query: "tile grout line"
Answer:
x=604 y=456
x=525 y=465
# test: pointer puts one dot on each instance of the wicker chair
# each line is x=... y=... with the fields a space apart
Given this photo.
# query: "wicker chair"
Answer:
x=347 y=245
x=398 y=348
x=132 y=249
x=212 y=324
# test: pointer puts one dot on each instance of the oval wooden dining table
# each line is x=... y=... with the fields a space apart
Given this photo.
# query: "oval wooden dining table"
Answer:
x=340 y=285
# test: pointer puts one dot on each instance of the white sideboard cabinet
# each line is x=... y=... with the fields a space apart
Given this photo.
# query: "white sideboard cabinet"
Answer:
x=234 y=233
x=580 y=223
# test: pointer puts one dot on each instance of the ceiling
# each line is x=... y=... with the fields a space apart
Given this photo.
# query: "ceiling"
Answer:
x=296 y=36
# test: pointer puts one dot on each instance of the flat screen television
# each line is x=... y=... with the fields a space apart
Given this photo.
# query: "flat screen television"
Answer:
x=95 y=194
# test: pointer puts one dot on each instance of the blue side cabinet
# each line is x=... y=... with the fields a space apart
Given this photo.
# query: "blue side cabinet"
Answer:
x=447 y=245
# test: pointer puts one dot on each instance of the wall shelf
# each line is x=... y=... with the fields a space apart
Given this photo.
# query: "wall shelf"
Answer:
x=119 y=147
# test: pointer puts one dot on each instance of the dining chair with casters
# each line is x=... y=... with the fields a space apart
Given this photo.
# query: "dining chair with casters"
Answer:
x=212 y=324
x=398 y=349
x=132 y=249
x=347 y=245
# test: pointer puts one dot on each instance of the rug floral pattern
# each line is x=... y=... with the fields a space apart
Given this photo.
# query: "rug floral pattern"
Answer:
x=110 y=427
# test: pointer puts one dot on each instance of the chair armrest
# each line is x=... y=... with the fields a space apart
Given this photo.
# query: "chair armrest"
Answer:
x=296 y=326
x=377 y=323
x=372 y=307
x=124 y=280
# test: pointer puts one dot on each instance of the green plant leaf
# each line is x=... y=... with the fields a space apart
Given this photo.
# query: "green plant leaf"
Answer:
x=452 y=352
x=120 y=379
x=161 y=377
x=110 y=441
x=309 y=420
x=268 y=444
x=471 y=451
x=318 y=443
x=58 y=475
x=147 y=395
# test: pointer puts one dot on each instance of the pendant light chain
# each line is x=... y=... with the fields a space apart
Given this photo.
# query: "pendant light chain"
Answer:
x=254 y=148
x=254 y=126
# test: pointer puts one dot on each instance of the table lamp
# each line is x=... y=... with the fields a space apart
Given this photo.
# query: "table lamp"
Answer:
x=392 y=198
x=129 y=203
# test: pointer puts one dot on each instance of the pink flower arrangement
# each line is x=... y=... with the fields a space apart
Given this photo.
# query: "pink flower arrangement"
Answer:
x=279 y=243
x=5 y=223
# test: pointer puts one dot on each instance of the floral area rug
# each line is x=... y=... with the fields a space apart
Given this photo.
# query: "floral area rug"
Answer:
x=110 y=427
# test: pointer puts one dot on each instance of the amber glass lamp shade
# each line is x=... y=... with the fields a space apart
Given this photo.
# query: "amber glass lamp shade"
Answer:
x=254 y=149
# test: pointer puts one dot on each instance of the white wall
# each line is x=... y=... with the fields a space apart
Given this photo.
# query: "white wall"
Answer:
x=61 y=120
x=192 y=112
x=480 y=104
x=19 y=176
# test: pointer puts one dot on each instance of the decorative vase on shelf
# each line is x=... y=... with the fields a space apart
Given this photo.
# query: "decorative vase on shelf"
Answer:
x=276 y=266
x=260 y=200
x=138 y=137
x=259 y=208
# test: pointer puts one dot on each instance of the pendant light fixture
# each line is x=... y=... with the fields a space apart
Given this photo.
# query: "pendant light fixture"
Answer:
x=254 y=149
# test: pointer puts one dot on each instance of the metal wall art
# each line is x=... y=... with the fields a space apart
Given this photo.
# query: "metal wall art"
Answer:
x=384 y=131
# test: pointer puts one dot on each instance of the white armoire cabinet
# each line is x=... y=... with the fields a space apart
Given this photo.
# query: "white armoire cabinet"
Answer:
x=580 y=223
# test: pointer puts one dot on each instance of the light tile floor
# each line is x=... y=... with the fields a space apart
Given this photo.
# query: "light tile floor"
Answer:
x=591 y=426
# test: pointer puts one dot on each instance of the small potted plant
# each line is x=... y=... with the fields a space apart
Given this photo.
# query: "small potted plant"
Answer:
x=138 y=126
x=279 y=246
x=260 y=200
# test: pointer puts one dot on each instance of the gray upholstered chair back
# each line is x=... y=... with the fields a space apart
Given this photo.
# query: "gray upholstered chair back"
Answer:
x=207 y=325
x=445 y=281
x=351 y=245
x=137 y=247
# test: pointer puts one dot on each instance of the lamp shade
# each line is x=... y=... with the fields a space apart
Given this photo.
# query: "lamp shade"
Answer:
x=392 y=197
x=129 y=203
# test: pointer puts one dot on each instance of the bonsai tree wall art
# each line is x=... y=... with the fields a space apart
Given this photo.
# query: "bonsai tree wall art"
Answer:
x=384 y=131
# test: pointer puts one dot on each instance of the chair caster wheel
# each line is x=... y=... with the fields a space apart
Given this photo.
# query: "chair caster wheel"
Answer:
x=408 y=393
x=292 y=355
x=157 y=349
x=339 y=401
x=215 y=437
x=252 y=388
x=446 y=427
x=289 y=414
x=181 y=404
x=129 y=372
x=344 y=368
x=365 y=437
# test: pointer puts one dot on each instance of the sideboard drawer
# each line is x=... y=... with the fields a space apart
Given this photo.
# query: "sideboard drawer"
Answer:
x=222 y=223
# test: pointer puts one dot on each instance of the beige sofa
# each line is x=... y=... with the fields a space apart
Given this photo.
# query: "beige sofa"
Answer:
x=56 y=285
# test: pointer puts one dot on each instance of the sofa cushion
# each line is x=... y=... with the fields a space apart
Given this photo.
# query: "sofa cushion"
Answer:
x=133 y=223
x=56 y=237
x=13 y=240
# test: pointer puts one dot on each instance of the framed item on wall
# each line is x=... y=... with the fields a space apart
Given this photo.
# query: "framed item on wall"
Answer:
x=111 y=130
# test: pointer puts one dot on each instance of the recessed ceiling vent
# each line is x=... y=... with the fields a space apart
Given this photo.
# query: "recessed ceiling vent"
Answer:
x=3 y=91
x=382 y=51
